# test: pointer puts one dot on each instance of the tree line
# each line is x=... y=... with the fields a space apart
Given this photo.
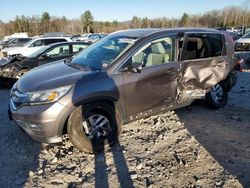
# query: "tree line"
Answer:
x=38 y=25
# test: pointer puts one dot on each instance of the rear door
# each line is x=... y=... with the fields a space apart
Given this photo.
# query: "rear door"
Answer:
x=156 y=85
x=204 y=61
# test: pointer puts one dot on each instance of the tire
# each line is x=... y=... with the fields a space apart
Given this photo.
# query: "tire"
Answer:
x=80 y=126
x=19 y=74
x=217 y=96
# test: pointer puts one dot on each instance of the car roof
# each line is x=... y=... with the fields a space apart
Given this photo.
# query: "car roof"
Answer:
x=63 y=43
x=140 y=33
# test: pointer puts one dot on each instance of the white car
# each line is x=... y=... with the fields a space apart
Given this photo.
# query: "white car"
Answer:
x=243 y=44
x=34 y=45
x=90 y=38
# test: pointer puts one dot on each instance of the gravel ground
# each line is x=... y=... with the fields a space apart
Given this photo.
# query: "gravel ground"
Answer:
x=189 y=147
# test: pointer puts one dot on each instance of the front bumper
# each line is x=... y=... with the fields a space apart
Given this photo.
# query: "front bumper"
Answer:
x=43 y=123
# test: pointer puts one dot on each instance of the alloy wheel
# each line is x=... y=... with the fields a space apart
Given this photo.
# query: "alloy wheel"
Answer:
x=217 y=93
x=97 y=126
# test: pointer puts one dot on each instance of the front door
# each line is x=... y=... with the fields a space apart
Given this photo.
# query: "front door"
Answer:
x=156 y=84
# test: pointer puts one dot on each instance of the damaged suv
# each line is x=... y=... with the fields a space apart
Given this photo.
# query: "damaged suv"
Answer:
x=125 y=76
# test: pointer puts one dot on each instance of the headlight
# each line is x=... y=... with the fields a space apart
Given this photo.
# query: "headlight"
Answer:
x=46 y=96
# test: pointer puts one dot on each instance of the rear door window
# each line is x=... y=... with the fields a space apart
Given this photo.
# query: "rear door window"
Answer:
x=58 y=51
x=202 y=45
x=78 y=47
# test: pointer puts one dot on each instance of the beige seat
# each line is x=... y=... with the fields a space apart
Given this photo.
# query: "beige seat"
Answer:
x=158 y=55
x=139 y=57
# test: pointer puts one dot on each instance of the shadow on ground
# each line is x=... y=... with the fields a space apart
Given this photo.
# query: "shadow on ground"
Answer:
x=225 y=133
x=19 y=154
x=122 y=171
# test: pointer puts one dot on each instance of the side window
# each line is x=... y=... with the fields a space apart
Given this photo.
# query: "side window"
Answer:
x=49 y=41
x=37 y=43
x=23 y=40
x=78 y=47
x=156 y=52
x=94 y=37
x=199 y=46
x=58 y=51
x=60 y=40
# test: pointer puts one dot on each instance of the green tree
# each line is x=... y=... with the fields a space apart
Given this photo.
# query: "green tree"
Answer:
x=145 y=23
x=45 y=22
x=184 y=20
x=87 y=20
x=45 y=17
x=135 y=23
x=17 y=24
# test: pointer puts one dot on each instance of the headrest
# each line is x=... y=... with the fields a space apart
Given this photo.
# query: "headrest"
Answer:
x=158 y=48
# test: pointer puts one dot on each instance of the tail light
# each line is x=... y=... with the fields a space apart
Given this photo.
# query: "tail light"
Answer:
x=239 y=64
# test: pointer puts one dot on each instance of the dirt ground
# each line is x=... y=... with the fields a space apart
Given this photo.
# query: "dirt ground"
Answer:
x=190 y=147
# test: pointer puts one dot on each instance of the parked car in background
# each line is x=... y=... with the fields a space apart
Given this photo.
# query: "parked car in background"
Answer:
x=16 y=66
x=125 y=76
x=243 y=44
x=75 y=37
x=15 y=35
x=15 y=42
x=34 y=45
x=234 y=36
x=90 y=38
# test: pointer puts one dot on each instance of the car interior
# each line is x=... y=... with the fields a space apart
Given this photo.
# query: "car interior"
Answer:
x=157 y=52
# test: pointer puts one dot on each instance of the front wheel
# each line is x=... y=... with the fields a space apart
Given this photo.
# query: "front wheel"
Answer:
x=217 y=96
x=93 y=126
x=20 y=73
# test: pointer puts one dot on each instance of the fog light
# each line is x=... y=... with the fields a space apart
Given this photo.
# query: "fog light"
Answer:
x=27 y=125
x=35 y=127
x=22 y=124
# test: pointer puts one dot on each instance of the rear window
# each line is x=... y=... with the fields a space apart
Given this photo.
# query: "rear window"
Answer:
x=198 y=46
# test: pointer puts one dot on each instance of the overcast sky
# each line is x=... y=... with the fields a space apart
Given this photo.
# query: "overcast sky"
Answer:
x=108 y=10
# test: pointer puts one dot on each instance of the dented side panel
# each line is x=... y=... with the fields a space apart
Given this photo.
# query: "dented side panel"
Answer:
x=198 y=75
x=204 y=73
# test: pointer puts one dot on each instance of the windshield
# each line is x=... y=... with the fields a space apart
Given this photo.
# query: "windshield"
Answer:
x=246 y=35
x=102 y=53
x=11 y=41
x=38 y=52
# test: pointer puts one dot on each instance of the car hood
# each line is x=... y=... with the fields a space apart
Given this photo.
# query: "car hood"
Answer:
x=3 y=62
x=243 y=40
x=53 y=75
x=11 y=60
x=10 y=49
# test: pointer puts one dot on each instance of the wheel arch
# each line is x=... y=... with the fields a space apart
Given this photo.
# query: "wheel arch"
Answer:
x=63 y=123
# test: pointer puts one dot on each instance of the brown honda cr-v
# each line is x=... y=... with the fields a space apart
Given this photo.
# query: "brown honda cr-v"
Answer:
x=125 y=76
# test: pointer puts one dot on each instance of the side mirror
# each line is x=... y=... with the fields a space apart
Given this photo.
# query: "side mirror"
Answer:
x=44 y=56
x=136 y=67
